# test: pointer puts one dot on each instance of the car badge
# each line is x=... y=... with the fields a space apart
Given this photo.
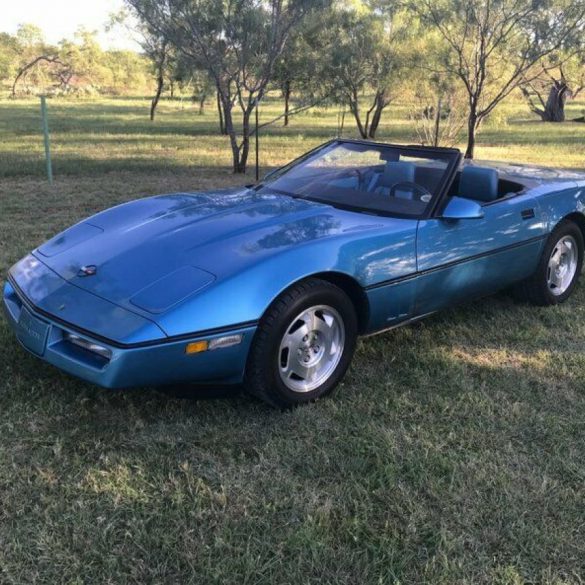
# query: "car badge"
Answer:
x=90 y=270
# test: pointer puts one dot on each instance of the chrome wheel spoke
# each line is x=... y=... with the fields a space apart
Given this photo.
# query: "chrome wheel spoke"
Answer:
x=296 y=337
x=556 y=255
x=567 y=247
x=555 y=279
x=562 y=265
x=311 y=348
x=321 y=322
x=303 y=372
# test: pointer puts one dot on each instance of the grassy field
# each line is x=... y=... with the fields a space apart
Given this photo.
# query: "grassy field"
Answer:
x=453 y=453
x=97 y=136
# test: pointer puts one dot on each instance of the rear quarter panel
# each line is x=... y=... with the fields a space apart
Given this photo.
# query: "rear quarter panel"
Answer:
x=556 y=201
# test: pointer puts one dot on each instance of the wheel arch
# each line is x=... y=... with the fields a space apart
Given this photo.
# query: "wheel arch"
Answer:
x=578 y=219
x=353 y=290
x=350 y=286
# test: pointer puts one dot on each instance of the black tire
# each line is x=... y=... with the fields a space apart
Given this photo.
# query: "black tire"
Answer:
x=535 y=289
x=263 y=378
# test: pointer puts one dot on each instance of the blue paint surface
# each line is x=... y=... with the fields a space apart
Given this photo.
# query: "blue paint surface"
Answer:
x=178 y=268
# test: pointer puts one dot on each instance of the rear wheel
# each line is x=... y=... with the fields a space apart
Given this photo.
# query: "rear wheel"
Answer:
x=304 y=344
x=559 y=267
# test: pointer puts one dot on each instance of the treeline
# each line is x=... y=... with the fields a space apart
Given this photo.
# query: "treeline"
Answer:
x=29 y=65
x=456 y=60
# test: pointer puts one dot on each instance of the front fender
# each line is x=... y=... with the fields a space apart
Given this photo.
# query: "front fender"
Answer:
x=243 y=297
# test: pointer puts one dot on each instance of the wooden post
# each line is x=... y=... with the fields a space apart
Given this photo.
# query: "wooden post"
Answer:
x=47 y=139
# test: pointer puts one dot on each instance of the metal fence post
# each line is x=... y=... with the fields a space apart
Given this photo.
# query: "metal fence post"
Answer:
x=257 y=144
x=45 y=118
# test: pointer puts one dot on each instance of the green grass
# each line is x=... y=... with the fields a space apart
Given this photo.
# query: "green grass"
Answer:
x=96 y=136
x=454 y=452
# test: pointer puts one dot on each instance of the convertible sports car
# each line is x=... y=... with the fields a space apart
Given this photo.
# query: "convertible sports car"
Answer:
x=271 y=284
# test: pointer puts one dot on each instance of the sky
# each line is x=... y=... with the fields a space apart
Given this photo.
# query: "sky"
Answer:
x=61 y=18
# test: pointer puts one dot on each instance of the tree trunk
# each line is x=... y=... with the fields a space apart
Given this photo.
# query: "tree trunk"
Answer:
x=354 y=107
x=228 y=123
x=472 y=124
x=243 y=162
x=239 y=151
x=172 y=88
x=220 y=110
x=159 y=87
x=340 y=123
x=380 y=104
x=244 y=150
x=554 y=110
x=437 y=132
x=287 y=92
x=202 y=104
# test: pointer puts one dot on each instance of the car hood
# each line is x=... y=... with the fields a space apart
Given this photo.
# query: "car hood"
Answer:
x=151 y=254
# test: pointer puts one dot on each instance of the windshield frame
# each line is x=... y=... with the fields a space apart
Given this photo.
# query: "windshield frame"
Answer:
x=452 y=155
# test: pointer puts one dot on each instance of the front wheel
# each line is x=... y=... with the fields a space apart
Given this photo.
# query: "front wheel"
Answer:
x=304 y=344
x=559 y=267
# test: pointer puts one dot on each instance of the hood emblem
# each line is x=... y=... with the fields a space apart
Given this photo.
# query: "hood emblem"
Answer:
x=89 y=270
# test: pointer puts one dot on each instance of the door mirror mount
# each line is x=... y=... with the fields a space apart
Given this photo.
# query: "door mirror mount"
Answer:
x=461 y=208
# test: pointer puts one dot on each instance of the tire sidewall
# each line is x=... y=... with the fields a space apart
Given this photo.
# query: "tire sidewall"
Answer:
x=567 y=228
x=321 y=295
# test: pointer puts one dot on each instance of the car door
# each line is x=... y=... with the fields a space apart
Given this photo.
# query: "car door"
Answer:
x=465 y=258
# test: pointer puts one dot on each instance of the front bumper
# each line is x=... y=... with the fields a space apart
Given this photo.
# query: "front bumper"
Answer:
x=141 y=364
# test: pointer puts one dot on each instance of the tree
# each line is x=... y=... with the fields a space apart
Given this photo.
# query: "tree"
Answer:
x=8 y=55
x=294 y=70
x=364 y=61
x=29 y=35
x=493 y=46
x=195 y=80
x=560 y=78
x=73 y=66
x=286 y=69
x=436 y=112
x=158 y=51
x=238 y=43
x=125 y=71
x=156 y=47
x=85 y=63
x=35 y=60
x=221 y=118
x=303 y=68
x=60 y=70
x=202 y=88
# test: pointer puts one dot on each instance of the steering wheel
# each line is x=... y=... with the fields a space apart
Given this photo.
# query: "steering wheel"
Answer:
x=360 y=177
x=409 y=185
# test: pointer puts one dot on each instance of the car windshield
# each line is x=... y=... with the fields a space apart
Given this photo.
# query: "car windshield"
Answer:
x=375 y=178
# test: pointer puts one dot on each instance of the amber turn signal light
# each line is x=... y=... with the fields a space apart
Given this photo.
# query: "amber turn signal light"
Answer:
x=196 y=347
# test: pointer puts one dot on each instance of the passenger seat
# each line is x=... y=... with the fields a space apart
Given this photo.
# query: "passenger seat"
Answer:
x=479 y=184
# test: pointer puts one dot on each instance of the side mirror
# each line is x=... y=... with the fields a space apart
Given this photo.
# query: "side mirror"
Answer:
x=460 y=208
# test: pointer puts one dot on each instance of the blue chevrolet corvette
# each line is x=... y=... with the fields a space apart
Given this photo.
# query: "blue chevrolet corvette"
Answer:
x=270 y=285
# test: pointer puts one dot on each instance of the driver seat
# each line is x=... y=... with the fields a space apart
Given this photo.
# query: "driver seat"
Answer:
x=396 y=172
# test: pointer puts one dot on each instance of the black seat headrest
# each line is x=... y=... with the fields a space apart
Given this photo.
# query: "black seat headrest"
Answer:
x=479 y=183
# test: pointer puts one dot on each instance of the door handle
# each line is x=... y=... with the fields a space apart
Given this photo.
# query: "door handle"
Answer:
x=527 y=213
